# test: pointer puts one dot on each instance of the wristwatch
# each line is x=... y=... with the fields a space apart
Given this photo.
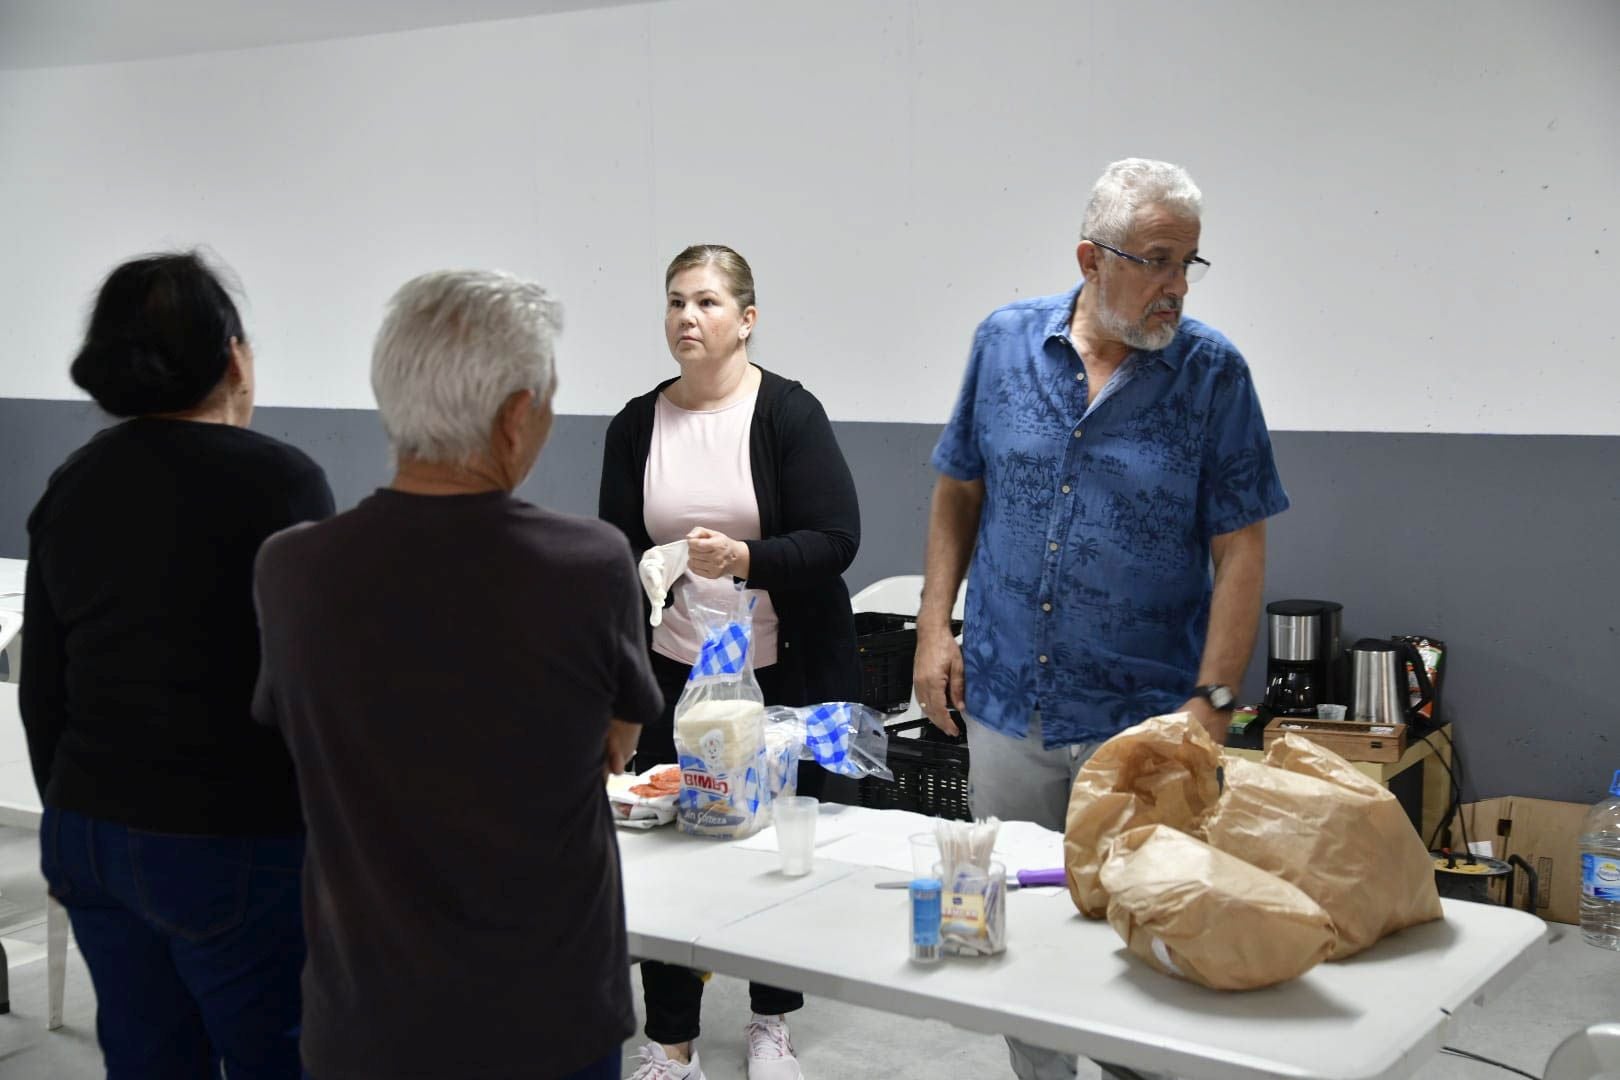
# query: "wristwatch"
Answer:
x=1221 y=697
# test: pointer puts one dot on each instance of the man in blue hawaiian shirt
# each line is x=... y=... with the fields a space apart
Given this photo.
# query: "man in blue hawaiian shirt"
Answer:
x=1103 y=454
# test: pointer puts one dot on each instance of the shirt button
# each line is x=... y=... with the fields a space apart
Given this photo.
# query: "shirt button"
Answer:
x=1077 y=433
x=1079 y=376
x=1046 y=606
x=1065 y=489
x=1052 y=546
x=1043 y=658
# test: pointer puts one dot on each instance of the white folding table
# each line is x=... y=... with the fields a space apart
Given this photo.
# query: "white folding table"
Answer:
x=678 y=889
x=1065 y=982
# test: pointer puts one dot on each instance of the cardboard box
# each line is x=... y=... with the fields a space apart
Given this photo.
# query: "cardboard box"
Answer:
x=1350 y=739
x=1544 y=834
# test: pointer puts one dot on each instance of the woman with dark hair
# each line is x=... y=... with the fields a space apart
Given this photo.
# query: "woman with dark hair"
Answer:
x=743 y=465
x=172 y=831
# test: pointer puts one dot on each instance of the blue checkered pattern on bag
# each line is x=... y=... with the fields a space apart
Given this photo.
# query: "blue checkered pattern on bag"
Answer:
x=826 y=735
x=725 y=653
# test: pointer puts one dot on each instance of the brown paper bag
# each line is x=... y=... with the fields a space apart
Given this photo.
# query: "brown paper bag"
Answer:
x=1162 y=771
x=1209 y=917
x=1314 y=820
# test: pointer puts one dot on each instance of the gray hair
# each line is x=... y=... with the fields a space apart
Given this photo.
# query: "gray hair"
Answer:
x=454 y=345
x=1131 y=185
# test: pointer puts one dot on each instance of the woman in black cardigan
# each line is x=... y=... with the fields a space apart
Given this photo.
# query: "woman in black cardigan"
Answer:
x=726 y=439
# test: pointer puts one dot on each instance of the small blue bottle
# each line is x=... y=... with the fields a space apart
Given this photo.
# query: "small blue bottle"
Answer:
x=925 y=943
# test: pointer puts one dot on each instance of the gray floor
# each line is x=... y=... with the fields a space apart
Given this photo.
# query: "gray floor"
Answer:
x=1575 y=986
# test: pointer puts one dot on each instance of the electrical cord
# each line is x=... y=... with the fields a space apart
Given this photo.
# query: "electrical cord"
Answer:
x=1483 y=1060
x=1454 y=767
x=1452 y=802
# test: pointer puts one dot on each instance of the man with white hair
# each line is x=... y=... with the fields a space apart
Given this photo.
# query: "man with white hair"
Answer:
x=453 y=671
x=1104 y=451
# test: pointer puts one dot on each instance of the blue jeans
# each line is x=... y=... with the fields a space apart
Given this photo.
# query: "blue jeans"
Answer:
x=194 y=943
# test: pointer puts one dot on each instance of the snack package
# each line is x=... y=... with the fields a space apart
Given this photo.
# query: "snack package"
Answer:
x=720 y=732
x=1200 y=914
x=1162 y=771
x=1433 y=653
x=1315 y=821
x=843 y=737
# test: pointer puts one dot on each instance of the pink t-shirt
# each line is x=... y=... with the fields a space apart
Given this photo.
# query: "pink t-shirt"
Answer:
x=699 y=474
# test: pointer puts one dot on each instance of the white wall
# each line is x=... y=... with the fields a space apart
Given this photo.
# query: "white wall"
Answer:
x=1411 y=207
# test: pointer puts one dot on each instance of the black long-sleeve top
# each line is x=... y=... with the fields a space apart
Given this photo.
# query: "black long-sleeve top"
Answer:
x=810 y=524
x=140 y=642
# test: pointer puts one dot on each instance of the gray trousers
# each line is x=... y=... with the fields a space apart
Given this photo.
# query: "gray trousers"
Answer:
x=1020 y=780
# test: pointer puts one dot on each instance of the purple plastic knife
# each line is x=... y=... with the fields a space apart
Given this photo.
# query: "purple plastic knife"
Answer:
x=1024 y=879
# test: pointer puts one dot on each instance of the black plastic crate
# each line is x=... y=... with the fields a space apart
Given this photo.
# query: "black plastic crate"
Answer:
x=887 y=645
x=930 y=774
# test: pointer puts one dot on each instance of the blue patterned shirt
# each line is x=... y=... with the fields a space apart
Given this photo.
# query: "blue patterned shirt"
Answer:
x=1088 y=594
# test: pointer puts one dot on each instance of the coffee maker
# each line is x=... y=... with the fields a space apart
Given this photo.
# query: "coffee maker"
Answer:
x=1304 y=664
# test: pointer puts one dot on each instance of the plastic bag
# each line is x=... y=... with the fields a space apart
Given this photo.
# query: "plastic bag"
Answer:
x=1162 y=771
x=843 y=737
x=782 y=749
x=1316 y=821
x=720 y=731
x=1200 y=914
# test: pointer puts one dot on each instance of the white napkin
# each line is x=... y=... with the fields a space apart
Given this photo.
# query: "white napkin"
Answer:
x=660 y=568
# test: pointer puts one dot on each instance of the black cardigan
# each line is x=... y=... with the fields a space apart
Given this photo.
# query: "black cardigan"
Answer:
x=808 y=516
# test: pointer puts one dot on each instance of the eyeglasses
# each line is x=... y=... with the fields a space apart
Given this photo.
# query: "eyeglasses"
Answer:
x=1160 y=269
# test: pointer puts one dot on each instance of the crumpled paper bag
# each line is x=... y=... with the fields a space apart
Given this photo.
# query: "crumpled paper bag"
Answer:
x=1162 y=771
x=1316 y=821
x=1200 y=914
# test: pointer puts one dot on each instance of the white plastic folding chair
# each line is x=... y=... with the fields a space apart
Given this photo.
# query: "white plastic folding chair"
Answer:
x=11 y=644
x=56 y=943
x=900 y=595
x=1586 y=1055
x=22 y=808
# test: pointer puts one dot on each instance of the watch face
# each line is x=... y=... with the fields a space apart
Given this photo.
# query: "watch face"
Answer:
x=1219 y=696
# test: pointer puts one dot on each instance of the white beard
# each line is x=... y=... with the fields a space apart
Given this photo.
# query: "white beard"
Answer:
x=1138 y=335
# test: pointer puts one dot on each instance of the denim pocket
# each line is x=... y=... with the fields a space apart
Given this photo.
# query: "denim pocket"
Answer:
x=193 y=887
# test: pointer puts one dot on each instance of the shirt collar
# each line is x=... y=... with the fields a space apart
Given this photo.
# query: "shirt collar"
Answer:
x=1058 y=327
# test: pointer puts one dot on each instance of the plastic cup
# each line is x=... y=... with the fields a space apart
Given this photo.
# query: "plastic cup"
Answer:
x=925 y=858
x=973 y=911
x=796 y=833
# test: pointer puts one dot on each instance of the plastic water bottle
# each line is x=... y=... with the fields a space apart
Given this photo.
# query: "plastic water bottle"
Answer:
x=1600 y=872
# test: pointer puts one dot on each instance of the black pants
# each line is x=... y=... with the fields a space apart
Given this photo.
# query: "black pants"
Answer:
x=674 y=994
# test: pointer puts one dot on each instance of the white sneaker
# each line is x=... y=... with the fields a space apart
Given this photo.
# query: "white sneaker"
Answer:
x=770 y=1050
x=656 y=1065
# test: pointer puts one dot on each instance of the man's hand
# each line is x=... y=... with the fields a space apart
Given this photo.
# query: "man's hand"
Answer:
x=620 y=747
x=953 y=523
x=1214 y=721
x=711 y=554
x=937 y=672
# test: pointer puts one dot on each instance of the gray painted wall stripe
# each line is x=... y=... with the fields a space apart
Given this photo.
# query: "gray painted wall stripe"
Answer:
x=1502 y=545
